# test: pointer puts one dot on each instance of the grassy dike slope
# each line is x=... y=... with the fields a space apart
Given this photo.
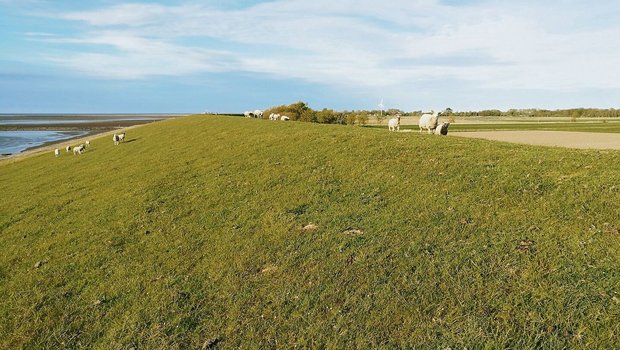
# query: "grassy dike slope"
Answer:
x=190 y=235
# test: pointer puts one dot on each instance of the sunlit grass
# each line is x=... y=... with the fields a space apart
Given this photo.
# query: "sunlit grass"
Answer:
x=190 y=234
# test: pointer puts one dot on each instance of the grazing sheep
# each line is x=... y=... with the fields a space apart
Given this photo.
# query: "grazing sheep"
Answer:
x=121 y=137
x=68 y=149
x=258 y=113
x=87 y=143
x=394 y=123
x=442 y=129
x=429 y=121
x=284 y=118
x=248 y=114
x=274 y=116
x=79 y=149
x=57 y=152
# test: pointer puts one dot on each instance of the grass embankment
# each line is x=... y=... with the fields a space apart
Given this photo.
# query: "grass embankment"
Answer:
x=190 y=235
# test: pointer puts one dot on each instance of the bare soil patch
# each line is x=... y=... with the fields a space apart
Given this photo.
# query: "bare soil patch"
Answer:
x=568 y=139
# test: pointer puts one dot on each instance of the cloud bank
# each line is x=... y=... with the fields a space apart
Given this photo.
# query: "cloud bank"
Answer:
x=553 y=45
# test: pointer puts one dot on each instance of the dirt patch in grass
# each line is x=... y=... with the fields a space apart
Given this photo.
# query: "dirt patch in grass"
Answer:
x=568 y=139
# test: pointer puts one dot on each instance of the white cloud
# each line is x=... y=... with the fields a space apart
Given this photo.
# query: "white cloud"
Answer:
x=135 y=57
x=357 y=43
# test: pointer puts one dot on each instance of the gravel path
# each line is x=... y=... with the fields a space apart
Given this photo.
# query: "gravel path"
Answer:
x=568 y=139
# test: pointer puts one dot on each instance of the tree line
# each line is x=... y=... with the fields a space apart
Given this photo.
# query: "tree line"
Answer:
x=300 y=111
x=572 y=113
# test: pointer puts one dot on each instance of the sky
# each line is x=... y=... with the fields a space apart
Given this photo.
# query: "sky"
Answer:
x=185 y=56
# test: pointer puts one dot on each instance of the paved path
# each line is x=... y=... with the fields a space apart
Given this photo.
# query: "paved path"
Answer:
x=569 y=139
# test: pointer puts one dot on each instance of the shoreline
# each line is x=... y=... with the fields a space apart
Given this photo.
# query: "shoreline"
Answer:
x=93 y=131
x=68 y=126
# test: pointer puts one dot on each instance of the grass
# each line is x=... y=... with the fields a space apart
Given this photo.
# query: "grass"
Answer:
x=190 y=235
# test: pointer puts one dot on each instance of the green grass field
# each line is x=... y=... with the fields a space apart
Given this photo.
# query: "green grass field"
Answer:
x=190 y=236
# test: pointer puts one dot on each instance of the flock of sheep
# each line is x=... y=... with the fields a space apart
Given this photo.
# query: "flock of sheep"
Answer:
x=76 y=149
x=117 y=138
x=428 y=121
x=259 y=114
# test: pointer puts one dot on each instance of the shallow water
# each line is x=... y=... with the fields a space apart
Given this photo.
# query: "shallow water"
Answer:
x=12 y=142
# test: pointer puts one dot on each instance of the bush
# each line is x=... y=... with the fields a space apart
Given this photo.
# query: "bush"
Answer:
x=362 y=119
x=326 y=116
x=350 y=118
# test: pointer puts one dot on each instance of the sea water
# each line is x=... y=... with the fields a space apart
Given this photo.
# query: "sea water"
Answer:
x=15 y=141
x=12 y=142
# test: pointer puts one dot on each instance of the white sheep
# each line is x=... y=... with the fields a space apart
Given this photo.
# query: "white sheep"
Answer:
x=68 y=149
x=248 y=114
x=115 y=139
x=442 y=129
x=87 y=143
x=121 y=137
x=284 y=118
x=78 y=150
x=394 y=124
x=258 y=113
x=429 y=121
x=57 y=152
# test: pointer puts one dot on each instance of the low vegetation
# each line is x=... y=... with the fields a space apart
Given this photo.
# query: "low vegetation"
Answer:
x=573 y=113
x=222 y=232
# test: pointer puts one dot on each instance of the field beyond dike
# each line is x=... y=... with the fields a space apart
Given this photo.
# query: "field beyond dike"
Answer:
x=220 y=232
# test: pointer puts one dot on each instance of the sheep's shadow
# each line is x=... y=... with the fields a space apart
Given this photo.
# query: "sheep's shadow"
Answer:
x=130 y=141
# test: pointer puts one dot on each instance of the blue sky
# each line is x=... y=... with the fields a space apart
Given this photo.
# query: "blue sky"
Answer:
x=110 y=56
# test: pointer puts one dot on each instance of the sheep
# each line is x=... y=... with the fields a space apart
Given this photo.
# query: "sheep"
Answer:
x=117 y=138
x=274 y=116
x=68 y=149
x=258 y=113
x=394 y=123
x=442 y=129
x=87 y=143
x=57 y=152
x=429 y=121
x=78 y=150
x=284 y=118
x=248 y=114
